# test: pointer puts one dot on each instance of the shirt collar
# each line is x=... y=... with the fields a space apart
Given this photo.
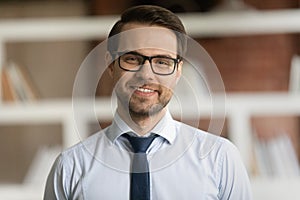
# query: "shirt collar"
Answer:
x=165 y=128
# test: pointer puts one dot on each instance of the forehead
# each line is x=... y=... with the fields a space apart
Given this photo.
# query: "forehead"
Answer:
x=136 y=36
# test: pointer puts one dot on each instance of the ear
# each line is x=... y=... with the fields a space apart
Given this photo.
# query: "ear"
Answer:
x=109 y=62
x=179 y=71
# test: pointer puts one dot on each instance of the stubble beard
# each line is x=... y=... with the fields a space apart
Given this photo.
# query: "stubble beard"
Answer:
x=139 y=108
x=150 y=110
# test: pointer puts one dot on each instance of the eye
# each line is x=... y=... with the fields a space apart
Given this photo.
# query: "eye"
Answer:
x=163 y=62
x=130 y=58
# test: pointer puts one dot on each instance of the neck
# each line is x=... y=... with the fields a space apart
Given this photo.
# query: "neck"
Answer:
x=141 y=124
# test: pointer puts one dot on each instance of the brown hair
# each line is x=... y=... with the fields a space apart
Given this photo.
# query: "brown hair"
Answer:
x=151 y=15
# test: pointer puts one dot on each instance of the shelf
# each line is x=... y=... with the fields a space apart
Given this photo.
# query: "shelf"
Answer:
x=239 y=107
x=248 y=103
x=34 y=112
x=197 y=25
x=275 y=188
x=216 y=24
x=20 y=191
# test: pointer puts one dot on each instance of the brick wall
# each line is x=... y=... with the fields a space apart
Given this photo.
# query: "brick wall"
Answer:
x=253 y=63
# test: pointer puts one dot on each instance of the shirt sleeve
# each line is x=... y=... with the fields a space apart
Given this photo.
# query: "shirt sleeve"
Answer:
x=234 y=180
x=56 y=188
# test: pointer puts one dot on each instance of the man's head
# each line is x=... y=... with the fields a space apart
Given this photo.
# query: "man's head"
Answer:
x=152 y=16
x=147 y=59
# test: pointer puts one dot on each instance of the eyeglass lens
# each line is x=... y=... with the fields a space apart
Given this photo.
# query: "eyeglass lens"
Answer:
x=159 y=64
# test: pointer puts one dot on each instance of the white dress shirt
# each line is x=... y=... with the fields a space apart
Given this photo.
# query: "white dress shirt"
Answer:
x=185 y=164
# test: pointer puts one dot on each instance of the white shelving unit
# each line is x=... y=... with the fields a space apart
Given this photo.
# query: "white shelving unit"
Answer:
x=239 y=107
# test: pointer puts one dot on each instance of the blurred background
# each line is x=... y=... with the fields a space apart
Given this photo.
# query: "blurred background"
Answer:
x=255 y=45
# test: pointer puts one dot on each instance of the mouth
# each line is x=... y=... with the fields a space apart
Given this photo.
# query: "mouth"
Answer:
x=145 y=90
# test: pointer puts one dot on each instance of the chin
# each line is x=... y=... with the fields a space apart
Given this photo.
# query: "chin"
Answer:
x=146 y=112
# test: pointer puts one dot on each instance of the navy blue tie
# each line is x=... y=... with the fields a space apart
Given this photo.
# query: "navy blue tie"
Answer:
x=140 y=181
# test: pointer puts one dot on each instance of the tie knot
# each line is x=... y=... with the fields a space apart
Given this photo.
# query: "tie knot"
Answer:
x=140 y=144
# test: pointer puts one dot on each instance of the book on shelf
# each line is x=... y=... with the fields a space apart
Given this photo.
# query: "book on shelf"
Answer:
x=294 y=84
x=8 y=93
x=16 y=84
x=276 y=157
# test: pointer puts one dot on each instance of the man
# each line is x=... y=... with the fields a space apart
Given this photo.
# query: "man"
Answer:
x=145 y=154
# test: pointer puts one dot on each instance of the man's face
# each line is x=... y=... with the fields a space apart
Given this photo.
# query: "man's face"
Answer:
x=143 y=92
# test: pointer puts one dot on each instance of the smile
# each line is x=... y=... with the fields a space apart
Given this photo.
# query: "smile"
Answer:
x=145 y=90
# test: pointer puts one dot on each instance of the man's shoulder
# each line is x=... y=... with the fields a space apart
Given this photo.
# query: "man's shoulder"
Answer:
x=207 y=142
x=82 y=148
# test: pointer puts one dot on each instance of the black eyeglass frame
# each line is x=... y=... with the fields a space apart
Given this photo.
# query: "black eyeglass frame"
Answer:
x=149 y=58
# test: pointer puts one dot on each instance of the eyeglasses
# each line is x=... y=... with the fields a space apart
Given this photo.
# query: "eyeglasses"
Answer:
x=161 y=65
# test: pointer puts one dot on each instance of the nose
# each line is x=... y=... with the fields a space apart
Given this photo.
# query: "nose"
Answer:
x=145 y=71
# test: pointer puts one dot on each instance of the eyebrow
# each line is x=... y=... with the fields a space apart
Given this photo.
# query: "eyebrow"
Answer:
x=158 y=55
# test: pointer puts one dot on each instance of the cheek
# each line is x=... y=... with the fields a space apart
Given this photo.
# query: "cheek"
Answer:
x=115 y=80
x=121 y=78
x=116 y=73
x=169 y=84
x=117 y=77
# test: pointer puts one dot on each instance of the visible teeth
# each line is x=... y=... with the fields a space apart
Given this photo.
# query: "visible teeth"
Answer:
x=144 y=90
